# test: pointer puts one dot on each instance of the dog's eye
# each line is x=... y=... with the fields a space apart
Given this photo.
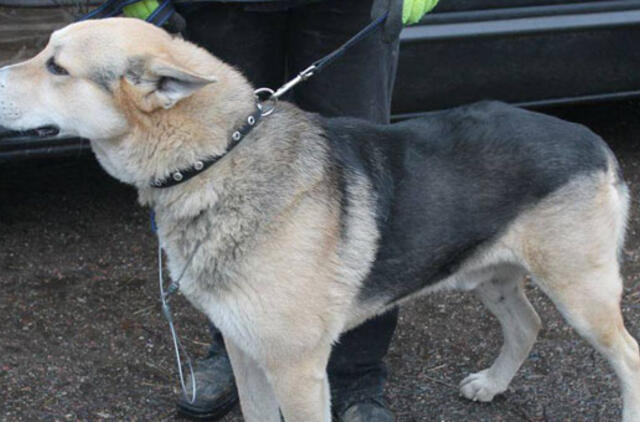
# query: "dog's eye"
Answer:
x=55 y=68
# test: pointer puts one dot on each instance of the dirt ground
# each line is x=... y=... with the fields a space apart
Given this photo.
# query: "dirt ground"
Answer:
x=83 y=338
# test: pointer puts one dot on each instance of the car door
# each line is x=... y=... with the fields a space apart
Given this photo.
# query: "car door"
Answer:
x=531 y=52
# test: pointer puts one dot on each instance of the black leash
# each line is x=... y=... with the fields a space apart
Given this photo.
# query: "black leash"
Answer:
x=317 y=66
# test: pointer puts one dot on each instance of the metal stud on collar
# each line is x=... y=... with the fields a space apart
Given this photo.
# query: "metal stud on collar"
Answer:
x=177 y=176
x=236 y=136
x=198 y=165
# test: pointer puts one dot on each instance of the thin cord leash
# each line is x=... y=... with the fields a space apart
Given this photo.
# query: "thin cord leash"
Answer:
x=177 y=344
x=165 y=296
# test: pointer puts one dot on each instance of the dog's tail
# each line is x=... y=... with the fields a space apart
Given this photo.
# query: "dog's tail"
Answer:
x=621 y=199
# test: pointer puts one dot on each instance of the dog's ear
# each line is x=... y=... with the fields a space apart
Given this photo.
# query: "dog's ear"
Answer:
x=164 y=83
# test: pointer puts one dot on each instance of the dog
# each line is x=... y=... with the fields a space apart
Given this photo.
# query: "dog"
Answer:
x=309 y=226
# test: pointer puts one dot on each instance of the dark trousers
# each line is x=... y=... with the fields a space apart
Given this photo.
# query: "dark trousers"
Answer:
x=270 y=44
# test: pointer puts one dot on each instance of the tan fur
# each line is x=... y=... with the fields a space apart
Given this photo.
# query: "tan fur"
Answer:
x=272 y=272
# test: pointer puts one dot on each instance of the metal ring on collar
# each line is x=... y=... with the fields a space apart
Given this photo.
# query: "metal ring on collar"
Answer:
x=260 y=102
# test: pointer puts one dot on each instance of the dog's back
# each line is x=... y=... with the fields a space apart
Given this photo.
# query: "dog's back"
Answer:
x=453 y=181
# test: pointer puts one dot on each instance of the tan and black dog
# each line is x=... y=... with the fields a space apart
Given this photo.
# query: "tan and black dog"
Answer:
x=309 y=226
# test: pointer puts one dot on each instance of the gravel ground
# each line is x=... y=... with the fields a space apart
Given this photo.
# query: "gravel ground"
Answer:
x=83 y=338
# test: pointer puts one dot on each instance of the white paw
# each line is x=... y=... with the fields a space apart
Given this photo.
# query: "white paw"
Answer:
x=480 y=387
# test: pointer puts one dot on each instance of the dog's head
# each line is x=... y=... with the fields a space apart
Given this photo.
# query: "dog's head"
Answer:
x=109 y=79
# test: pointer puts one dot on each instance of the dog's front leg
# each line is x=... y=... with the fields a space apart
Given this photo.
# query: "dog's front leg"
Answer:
x=302 y=386
x=257 y=399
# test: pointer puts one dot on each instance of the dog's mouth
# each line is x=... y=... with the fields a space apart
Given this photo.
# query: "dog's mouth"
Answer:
x=40 y=132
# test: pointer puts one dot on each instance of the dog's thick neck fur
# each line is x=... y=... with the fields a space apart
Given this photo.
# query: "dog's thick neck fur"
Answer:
x=161 y=141
x=261 y=183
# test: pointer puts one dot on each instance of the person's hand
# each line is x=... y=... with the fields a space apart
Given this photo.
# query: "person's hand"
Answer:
x=414 y=10
x=401 y=12
x=141 y=10
x=175 y=24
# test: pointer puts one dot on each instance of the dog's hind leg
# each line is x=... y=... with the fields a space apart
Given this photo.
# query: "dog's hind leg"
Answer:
x=257 y=400
x=570 y=245
x=505 y=298
x=591 y=305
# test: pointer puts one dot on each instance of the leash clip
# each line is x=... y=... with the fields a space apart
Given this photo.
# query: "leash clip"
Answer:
x=302 y=76
x=274 y=96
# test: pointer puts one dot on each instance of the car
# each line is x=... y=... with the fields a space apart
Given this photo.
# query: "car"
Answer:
x=533 y=53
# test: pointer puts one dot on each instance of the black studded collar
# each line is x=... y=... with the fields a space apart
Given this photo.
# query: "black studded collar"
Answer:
x=182 y=175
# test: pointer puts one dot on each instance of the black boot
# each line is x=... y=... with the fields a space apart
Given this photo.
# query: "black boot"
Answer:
x=357 y=372
x=216 y=393
x=369 y=410
x=358 y=397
